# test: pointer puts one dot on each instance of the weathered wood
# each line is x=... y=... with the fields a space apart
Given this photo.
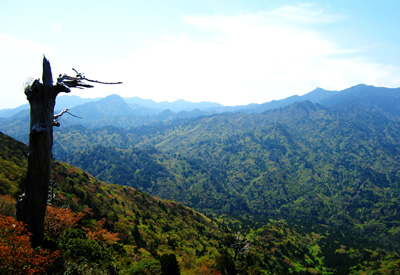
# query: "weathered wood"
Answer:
x=42 y=97
x=47 y=76
x=31 y=208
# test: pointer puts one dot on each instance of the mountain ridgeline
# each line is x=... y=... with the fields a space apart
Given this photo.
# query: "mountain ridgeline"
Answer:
x=131 y=232
x=326 y=163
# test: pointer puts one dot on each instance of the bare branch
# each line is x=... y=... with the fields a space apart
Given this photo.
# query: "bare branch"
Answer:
x=241 y=246
x=56 y=123
x=74 y=115
x=101 y=82
x=78 y=81
x=61 y=113
x=81 y=75
x=72 y=82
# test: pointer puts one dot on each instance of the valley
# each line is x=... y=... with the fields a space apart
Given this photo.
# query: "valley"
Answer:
x=319 y=173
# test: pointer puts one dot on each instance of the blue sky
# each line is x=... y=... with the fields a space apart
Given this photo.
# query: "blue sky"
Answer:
x=231 y=52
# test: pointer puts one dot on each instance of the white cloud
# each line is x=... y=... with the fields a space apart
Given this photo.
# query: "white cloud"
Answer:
x=237 y=59
x=21 y=59
x=250 y=58
x=253 y=58
x=304 y=13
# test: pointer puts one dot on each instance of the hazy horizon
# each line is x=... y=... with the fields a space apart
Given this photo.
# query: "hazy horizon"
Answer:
x=231 y=52
x=205 y=101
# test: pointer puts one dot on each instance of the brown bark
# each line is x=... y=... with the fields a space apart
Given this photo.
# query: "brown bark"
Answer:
x=32 y=207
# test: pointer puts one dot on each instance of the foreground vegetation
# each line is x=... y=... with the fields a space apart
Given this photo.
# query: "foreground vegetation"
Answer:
x=96 y=228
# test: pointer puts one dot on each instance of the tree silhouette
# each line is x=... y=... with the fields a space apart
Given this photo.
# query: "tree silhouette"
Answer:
x=31 y=207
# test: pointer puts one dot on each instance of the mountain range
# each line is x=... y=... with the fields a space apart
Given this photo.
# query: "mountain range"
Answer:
x=133 y=112
x=145 y=234
x=325 y=163
x=139 y=106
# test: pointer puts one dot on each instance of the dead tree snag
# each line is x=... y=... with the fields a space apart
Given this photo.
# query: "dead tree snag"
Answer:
x=42 y=98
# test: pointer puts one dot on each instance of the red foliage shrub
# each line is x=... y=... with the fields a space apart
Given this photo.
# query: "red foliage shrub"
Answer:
x=16 y=253
x=59 y=219
x=98 y=233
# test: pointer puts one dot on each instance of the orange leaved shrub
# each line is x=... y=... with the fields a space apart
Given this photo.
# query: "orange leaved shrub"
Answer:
x=16 y=253
x=59 y=219
x=98 y=233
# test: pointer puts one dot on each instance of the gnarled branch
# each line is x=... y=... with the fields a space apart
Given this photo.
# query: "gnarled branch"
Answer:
x=78 y=81
x=56 y=123
x=31 y=208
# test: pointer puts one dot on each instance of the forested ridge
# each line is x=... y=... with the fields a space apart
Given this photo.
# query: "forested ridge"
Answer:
x=305 y=163
x=93 y=227
x=313 y=185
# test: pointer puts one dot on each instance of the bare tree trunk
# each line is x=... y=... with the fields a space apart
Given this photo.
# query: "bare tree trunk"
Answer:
x=31 y=209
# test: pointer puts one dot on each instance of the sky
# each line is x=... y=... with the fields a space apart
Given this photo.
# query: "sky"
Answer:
x=232 y=52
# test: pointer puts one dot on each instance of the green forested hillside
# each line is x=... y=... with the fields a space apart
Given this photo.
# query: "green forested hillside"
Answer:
x=13 y=163
x=303 y=163
x=147 y=226
x=144 y=234
x=318 y=168
x=328 y=173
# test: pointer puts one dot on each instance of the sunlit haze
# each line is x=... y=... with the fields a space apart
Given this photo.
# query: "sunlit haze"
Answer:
x=230 y=52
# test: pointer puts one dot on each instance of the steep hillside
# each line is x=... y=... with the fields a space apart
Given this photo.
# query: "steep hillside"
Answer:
x=148 y=228
x=129 y=232
x=318 y=168
x=13 y=162
x=331 y=169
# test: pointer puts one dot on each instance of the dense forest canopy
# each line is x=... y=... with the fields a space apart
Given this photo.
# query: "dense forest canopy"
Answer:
x=313 y=182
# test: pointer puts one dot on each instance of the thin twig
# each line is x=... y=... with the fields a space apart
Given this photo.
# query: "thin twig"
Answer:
x=74 y=115
x=66 y=111
x=82 y=77
x=101 y=82
x=56 y=123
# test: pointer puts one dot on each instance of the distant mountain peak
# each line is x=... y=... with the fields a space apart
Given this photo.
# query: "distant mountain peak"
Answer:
x=113 y=97
x=361 y=85
x=318 y=89
x=114 y=101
